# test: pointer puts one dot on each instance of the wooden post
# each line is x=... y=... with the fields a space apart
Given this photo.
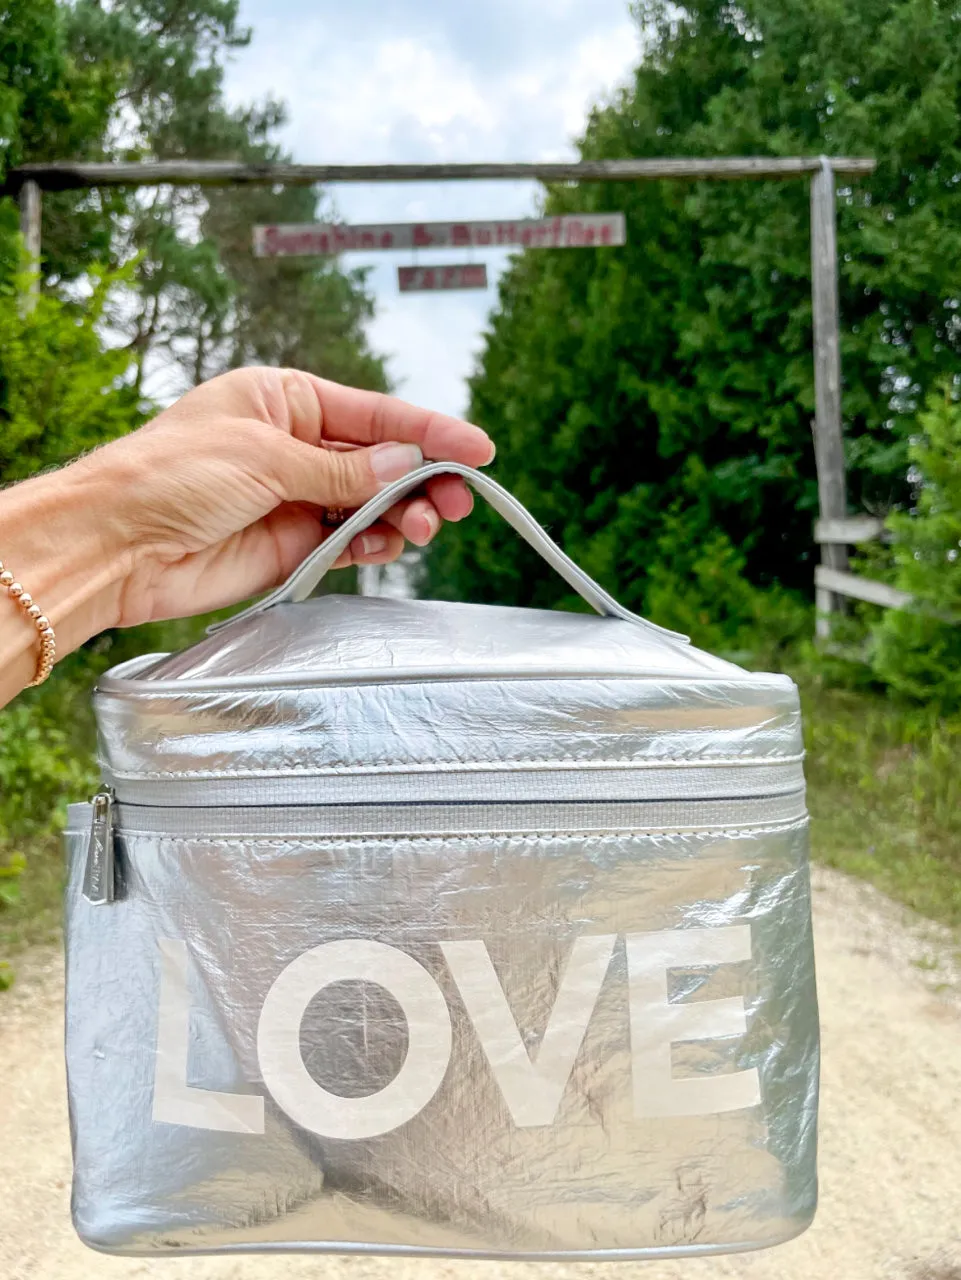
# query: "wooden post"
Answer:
x=30 y=207
x=828 y=437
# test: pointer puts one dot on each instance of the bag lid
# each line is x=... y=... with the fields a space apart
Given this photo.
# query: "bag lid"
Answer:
x=341 y=684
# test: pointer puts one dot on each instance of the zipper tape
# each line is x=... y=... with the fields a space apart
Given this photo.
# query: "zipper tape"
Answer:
x=465 y=786
x=397 y=821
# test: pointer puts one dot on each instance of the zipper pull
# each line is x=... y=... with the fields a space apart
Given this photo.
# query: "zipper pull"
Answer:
x=98 y=877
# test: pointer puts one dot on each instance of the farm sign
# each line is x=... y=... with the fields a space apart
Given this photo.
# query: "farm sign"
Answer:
x=593 y=230
x=467 y=275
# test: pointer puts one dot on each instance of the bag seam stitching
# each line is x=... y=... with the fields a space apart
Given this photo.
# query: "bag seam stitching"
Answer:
x=464 y=766
x=465 y=837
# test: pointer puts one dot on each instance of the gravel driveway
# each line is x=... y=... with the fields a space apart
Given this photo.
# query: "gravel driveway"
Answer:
x=890 y=1130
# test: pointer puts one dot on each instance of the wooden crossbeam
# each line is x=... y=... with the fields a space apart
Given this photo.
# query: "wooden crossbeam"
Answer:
x=61 y=175
x=849 y=529
x=849 y=584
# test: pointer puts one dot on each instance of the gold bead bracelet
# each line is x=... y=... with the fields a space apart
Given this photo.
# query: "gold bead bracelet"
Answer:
x=35 y=615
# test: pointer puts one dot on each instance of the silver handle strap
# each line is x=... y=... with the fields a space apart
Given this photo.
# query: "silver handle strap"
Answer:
x=306 y=577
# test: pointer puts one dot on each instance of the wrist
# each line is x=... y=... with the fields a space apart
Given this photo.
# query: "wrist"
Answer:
x=62 y=536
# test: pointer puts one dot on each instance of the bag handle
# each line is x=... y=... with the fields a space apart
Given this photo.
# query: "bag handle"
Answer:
x=306 y=577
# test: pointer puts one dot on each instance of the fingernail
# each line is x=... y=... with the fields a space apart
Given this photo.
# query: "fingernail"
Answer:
x=493 y=452
x=391 y=461
x=373 y=543
x=432 y=521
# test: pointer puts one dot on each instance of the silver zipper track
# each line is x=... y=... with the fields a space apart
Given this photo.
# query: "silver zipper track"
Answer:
x=297 y=822
x=517 y=784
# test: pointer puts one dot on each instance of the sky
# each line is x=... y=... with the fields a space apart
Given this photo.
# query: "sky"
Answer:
x=432 y=80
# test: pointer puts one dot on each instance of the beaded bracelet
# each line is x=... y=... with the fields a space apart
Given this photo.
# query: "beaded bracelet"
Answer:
x=48 y=641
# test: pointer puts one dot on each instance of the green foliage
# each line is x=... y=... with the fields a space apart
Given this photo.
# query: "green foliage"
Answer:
x=42 y=767
x=672 y=379
x=61 y=393
x=51 y=107
x=203 y=303
x=697 y=585
x=142 y=79
x=919 y=654
x=10 y=871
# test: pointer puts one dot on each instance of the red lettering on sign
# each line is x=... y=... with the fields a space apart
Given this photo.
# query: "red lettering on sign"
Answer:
x=559 y=230
x=466 y=275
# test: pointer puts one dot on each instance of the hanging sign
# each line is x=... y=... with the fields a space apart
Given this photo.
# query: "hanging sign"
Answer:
x=464 y=275
x=571 y=231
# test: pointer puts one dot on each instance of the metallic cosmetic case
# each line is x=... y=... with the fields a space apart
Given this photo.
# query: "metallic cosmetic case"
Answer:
x=409 y=927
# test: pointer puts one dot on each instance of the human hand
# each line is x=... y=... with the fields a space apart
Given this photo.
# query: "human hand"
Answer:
x=217 y=499
x=232 y=480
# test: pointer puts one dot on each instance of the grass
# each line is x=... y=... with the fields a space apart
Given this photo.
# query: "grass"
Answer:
x=34 y=915
x=884 y=783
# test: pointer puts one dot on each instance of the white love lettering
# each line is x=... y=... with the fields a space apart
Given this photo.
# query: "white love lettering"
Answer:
x=532 y=1085
x=532 y=1092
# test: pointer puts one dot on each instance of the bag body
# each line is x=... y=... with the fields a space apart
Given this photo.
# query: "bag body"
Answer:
x=414 y=927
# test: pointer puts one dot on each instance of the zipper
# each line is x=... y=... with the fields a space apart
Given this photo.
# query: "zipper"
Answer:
x=99 y=884
x=398 y=821
x=293 y=823
x=468 y=783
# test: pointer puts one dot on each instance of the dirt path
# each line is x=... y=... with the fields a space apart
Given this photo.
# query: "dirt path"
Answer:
x=890 y=1130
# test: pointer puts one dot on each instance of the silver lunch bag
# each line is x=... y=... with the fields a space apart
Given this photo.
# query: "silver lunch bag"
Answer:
x=421 y=928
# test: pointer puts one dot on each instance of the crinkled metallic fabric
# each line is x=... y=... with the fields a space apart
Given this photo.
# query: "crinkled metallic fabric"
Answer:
x=464 y=705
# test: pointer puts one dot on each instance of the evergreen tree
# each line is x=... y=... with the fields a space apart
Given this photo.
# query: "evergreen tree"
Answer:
x=919 y=652
x=51 y=107
x=205 y=304
x=653 y=403
x=143 y=79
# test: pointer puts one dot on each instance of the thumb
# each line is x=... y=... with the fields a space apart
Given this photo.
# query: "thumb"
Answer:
x=344 y=478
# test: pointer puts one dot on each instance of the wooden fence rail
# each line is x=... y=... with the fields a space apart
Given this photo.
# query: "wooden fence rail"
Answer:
x=829 y=581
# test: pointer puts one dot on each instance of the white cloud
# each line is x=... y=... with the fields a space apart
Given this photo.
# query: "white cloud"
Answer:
x=444 y=82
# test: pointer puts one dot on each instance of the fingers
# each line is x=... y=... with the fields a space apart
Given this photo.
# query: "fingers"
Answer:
x=452 y=496
x=349 y=477
x=420 y=518
x=380 y=544
x=335 y=478
x=417 y=519
x=367 y=417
